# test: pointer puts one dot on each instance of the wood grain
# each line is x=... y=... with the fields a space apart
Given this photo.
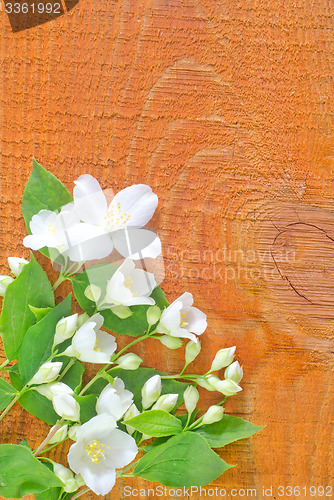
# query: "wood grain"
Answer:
x=225 y=108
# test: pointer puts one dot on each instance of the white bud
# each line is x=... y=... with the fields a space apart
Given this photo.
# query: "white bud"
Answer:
x=192 y=351
x=170 y=342
x=4 y=282
x=214 y=414
x=203 y=382
x=16 y=264
x=129 y=361
x=82 y=319
x=234 y=372
x=151 y=391
x=49 y=390
x=66 y=476
x=93 y=292
x=191 y=397
x=223 y=358
x=227 y=387
x=59 y=436
x=66 y=406
x=153 y=315
x=166 y=402
x=130 y=413
x=72 y=433
x=48 y=372
x=65 y=329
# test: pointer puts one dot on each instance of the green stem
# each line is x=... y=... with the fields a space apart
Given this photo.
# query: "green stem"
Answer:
x=82 y=492
x=94 y=379
x=68 y=366
x=4 y=364
x=138 y=339
x=59 y=281
x=128 y=467
x=48 y=437
x=53 y=446
x=12 y=403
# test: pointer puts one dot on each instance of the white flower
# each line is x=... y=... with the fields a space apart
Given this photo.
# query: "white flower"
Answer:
x=48 y=372
x=90 y=344
x=151 y=391
x=16 y=264
x=191 y=397
x=114 y=400
x=50 y=229
x=4 y=282
x=166 y=402
x=60 y=435
x=99 y=451
x=234 y=372
x=62 y=399
x=213 y=414
x=116 y=224
x=223 y=358
x=70 y=482
x=180 y=319
x=193 y=348
x=65 y=329
x=129 y=286
x=130 y=413
x=129 y=361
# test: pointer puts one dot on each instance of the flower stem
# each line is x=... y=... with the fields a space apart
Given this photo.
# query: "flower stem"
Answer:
x=47 y=439
x=12 y=403
x=138 y=339
x=4 y=364
x=59 y=281
x=68 y=366
x=86 y=490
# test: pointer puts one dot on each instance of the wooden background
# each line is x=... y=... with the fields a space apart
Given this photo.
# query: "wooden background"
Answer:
x=226 y=109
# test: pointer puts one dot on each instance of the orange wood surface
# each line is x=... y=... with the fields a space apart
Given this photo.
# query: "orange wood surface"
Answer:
x=226 y=109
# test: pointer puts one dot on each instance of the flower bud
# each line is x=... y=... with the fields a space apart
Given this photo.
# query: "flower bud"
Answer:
x=47 y=373
x=227 y=387
x=82 y=319
x=171 y=342
x=223 y=358
x=129 y=361
x=153 y=315
x=130 y=413
x=66 y=476
x=65 y=329
x=234 y=372
x=166 y=402
x=203 y=382
x=16 y=264
x=66 y=406
x=59 y=436
x=4 y=282
x=192 y=351
x=93 y=292
x=191 y=397
x=72 y=433
x=151 y=391
x=214 y=414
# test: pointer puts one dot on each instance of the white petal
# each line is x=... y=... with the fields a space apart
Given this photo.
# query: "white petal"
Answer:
x=137 y=243
x=183 y=334
x=99 y=479
x=171 y=317
x=196 y=320
x=186 y=299
x=143 y=283
x=123 y=448
x=139 y=202
x=88 y=242
x=117 y=293
x=89 y=200
x=96 y=428
x=98 y=319
x=85 y=337
x=137 y=301
x=34 y=242
x=66 y=406
x=105 y=342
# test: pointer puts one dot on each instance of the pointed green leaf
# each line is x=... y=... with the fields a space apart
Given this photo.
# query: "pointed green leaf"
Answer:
x=43 y=191
x=37 y=343
x=7 y=393
x=184 y=460
x=87 y=406
x=156 y=423
x=21 y=473
x=227 y=430
x=31 y=287
x=39 y=312
x=39 y=406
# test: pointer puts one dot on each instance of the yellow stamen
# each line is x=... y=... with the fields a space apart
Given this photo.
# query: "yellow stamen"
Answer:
x=52 y=229
x=115 y=218
x=95 y=451
x=183 y=322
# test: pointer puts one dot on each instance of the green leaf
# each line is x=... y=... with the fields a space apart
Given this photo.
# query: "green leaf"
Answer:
x=134 y=325
x=7 y=393
x=43 y=191
x=37 y=343
x=227 y=430
x=39 y=312
x=50 y=494
x=135 y=379
x=185 y=460
x=87 y=406
x=31 y=287
x=25 y=443
x=73 y=377
x=40 y=406
x=21 y=473
x=15 y=378
x=156 y=423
